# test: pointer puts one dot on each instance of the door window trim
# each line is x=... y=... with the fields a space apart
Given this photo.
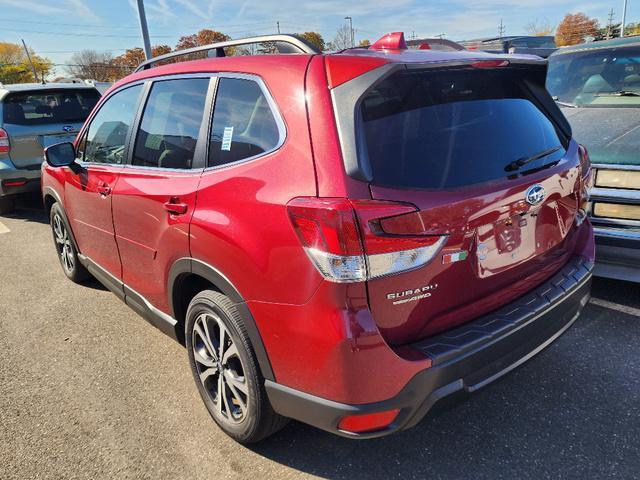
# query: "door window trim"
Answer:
x=201 y=155
x=82 y=136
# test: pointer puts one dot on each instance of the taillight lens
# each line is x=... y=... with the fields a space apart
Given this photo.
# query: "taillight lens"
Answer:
x=346 y=241
x=369 y=422
x=5 y=146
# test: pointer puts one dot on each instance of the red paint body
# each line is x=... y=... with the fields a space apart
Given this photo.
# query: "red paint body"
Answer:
x=344 y=342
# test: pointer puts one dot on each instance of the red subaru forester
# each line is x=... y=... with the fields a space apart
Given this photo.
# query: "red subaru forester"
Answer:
x=344 y=239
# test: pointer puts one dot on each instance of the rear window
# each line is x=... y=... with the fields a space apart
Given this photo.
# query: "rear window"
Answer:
x=447 y=129
x=51 y=106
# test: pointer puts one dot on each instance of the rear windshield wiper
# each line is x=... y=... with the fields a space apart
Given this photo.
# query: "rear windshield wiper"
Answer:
x=516 y=164
x=619 y=93
x=564 y=104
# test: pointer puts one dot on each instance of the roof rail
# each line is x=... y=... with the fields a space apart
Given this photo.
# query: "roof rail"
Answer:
x=295 y=43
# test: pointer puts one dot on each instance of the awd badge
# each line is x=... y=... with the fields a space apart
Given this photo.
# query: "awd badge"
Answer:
x=454 y=257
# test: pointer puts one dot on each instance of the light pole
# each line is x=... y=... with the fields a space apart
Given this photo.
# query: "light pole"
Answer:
x=145 y=30
x=624 y=17
x=351 y=30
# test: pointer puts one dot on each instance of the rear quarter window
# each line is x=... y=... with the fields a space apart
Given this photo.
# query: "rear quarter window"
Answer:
x=448 y=129
x=51 y=106
x=243 y=123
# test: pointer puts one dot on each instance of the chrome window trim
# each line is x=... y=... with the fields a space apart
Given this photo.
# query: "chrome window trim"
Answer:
x=275 y=111
x=277 y=115
x=84 y=131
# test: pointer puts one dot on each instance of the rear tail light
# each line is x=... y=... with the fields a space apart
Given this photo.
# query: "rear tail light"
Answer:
x=347 y=242
x=14 y=183
x=369 y=422
x=491 y=64
x=5 y=146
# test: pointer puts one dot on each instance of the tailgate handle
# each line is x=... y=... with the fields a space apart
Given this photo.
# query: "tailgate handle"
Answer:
x=175 y=207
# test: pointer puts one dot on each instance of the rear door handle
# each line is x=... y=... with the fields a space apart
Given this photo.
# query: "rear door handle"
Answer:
x=104 y=190
x=175 y=207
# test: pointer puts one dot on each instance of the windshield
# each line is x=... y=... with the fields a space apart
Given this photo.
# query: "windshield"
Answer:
x=50 y=106
x=607 y=77
x=534 y=42
x=454 y=128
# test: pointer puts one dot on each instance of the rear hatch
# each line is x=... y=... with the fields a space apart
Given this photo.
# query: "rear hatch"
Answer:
x=37 y=119
x=489 y=169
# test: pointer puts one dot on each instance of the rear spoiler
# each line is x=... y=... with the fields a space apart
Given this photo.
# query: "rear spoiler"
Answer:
x=346 y=100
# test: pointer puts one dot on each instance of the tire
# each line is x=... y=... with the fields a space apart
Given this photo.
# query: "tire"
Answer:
x=245 y=417
x=65 y=248
x=7 y=205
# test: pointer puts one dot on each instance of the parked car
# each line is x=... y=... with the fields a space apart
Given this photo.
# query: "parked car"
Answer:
x=542 y=46
x=434 y=44
x=598 y=86
x=32 y=117
x=343 y=239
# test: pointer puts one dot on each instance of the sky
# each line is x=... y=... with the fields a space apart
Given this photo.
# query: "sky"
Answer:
x=57 y=28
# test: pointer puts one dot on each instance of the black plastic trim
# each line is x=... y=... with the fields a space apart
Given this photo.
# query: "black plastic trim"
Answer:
x=133 y=299
x=464 y=359
x=197 y=267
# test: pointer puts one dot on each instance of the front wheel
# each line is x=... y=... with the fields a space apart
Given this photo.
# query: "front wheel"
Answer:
x=67 y=253
x=226 y=371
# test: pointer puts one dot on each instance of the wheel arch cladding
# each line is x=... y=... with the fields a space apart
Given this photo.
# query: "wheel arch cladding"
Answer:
x=187 y=278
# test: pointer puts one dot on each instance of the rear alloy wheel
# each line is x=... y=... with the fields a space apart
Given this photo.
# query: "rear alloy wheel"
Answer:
x=226 y=371
x=65 y=247
x=220 y=368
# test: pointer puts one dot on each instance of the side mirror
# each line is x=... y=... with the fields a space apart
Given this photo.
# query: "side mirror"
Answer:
x=60 y=155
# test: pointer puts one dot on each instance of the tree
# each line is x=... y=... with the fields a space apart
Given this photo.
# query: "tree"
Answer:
x=15 y=66
x=575 y=28
x=203 y=37
x=314 y=38
x=632 y=29
x=342 y=39
x=539 y=28
x=364 y=43
x=90 y=64
x=130 y=59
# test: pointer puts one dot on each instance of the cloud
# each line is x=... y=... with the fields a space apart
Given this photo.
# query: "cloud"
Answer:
x=193 y=8
x=32 y=6
x=81 y=9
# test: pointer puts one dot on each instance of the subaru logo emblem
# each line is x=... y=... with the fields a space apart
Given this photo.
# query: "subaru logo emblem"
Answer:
x=534 y=194
x=67 y=128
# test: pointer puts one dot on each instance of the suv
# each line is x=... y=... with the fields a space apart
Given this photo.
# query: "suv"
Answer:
x=32 y=117
x=343 y=239
x=597 y=86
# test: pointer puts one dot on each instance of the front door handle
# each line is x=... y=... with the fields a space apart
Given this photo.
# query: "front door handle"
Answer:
x=175 y=207
x=104 y=190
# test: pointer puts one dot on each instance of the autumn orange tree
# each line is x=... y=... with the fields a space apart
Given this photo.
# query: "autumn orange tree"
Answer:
x=203 y=37
x=574 y=28
x=15 y=66
x=130 y=59
x=314 y=38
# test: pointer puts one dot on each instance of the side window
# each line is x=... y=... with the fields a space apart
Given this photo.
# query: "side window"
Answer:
x=170 y=123
x=243 y=123
x=106 y=136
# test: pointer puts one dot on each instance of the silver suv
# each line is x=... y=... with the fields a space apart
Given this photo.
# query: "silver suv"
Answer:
x=32 y=117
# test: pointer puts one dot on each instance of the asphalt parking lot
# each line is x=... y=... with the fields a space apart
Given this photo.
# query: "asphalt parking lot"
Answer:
x=90 y=390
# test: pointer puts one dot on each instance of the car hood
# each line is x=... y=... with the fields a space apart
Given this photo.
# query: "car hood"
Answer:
x=612 y=135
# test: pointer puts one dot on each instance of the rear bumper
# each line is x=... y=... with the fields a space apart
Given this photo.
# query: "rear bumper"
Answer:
x=617 y=253
x=14 y=180
x=464 y=359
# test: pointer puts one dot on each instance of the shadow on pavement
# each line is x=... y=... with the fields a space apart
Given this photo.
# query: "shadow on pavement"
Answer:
x=571 y=412
x=28 y=207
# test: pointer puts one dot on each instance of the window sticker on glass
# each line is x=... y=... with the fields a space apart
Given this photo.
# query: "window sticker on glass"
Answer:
x=227 y=136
